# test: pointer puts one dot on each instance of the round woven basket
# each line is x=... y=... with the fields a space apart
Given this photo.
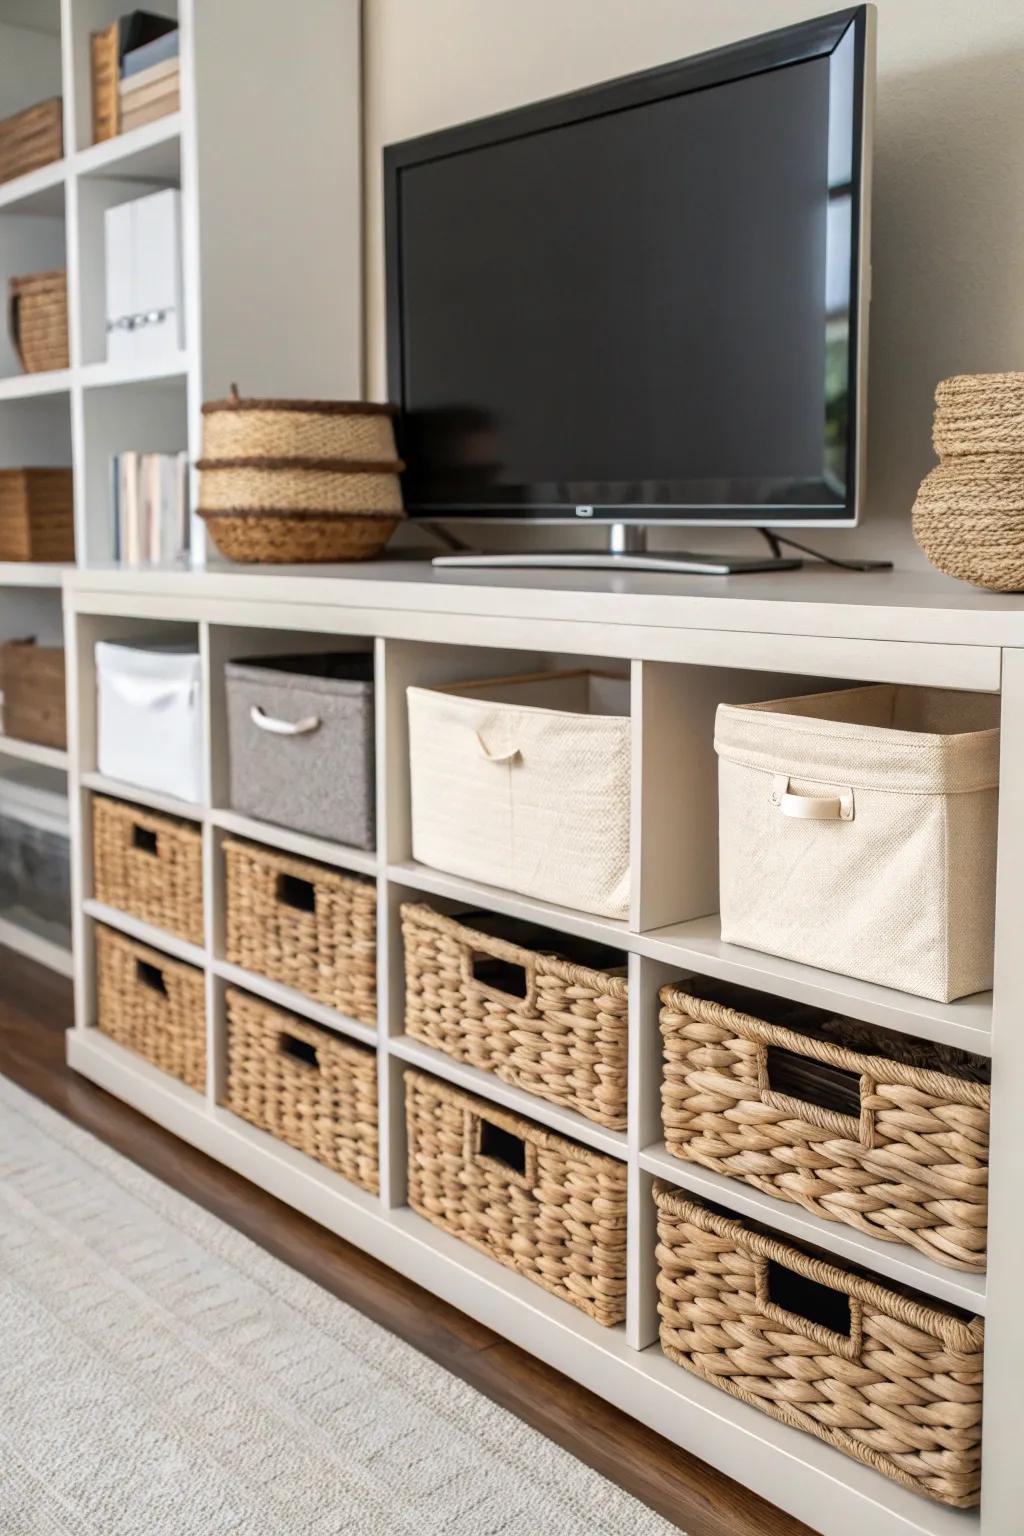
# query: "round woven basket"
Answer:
x=299 y=538
x=979 y=413
x=969 y=519
x=300 y=485
x=237 y=428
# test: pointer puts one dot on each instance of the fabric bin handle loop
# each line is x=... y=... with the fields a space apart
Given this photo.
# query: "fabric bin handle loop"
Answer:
x=837 y=807
x=283 y=727
x=497 y=754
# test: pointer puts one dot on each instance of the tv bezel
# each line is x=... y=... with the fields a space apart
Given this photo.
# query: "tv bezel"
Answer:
x=796 y=44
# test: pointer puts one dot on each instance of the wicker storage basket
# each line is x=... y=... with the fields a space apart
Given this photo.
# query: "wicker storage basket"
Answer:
x=304 y=1085
x=152 y=1005
x=37 y=519
x=489 y=994
x=31 y=139
x=860 y=1125
x=299 y=538
x=149 y=865
x=105 y=69
x=297 y=429
x=979 y=413
x=305 y=925
x=888 y=1377
x=34 y=704
x=969 y=520
x=38 y=320
x=539 y=1204
x=299 y=486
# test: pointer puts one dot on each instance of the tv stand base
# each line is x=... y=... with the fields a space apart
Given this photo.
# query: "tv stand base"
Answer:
x=601 y=560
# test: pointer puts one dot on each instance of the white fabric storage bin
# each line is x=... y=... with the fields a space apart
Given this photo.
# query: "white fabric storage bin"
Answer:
x=523 y=783
x=150 y=717
x=857 y=832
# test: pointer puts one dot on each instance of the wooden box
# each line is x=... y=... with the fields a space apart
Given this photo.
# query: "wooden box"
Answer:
x=31 y=139
x=32 y=679
x=38 y=319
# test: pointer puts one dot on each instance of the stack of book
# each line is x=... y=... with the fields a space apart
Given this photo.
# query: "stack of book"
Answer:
x=149 y=82
x=134 y=73
x=150 y=510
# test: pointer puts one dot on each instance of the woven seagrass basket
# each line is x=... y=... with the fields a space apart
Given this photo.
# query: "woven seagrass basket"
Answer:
x=305 y=925
x=31 y=139
x=888 y=1377
x=149 y=865
x=968 y=517
x=290 y=481
x=152 y=1005
x=304 y=1085
x=38 y=320
x=547 y=1207
x=561 y=1033
x=37 y=520
x=34 y=704
x=860 y=1125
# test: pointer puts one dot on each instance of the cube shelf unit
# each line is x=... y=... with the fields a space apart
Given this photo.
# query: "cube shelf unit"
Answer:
x=272 y=266
x=686 y=643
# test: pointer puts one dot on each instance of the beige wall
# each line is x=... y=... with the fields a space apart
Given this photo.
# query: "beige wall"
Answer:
x=948 y=247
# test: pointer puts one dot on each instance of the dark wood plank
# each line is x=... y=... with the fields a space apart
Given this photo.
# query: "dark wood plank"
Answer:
x=35 y=1009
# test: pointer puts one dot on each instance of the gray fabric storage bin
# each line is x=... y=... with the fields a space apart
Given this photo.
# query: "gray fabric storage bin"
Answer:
x=35 y=857
x=300 y=735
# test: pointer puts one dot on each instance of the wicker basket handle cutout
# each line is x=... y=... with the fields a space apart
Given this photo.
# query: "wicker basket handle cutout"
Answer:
x=792 y=1295
x=301 y=1053
x=490 y=1145
x=150 y=976
x=495 y=968
x=14 y=324
x=816 y=1092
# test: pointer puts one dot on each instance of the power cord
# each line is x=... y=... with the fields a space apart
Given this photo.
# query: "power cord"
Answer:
x=776 y=541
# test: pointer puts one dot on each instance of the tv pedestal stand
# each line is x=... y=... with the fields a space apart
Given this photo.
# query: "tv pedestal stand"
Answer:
x=627 y=551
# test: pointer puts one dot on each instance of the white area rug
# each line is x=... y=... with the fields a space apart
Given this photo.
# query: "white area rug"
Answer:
x=160 y=1375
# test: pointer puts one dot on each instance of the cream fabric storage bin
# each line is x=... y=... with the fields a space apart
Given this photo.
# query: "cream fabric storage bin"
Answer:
x=857 y=832
x=150 y=717
x=523 y=783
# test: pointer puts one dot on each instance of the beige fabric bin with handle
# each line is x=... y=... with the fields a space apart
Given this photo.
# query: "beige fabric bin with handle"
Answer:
x=857 y=832
x=523 y=783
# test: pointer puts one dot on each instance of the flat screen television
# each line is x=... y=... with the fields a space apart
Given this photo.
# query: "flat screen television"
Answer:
x=645 y=302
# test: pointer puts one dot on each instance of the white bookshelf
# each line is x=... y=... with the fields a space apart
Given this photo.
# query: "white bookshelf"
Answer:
x=265 y=150
x=683 y=641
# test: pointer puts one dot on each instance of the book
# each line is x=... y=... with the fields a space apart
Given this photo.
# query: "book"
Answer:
x=132 y=88
x=162 y=49
x=150 y=519
x=136 y=117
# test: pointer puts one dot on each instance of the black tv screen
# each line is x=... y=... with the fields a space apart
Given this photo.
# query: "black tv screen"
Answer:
x=640 y=302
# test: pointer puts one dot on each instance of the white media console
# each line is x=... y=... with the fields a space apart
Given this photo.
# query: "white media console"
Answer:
x=687 y=642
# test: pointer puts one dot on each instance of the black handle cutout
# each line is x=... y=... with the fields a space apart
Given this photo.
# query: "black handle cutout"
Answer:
x=144 y=839
x=293 y=892
x=300 y=1050
x=809 y=1299
x=151 y=976
x=815 y=1082
x=502 y=975
x=502 y=1147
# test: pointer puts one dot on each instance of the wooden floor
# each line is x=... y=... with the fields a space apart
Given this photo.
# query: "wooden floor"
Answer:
x=35 y=1009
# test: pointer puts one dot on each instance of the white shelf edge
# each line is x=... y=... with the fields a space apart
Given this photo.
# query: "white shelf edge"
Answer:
x=31 y=186
x=115 y=155
x=565 y=1122
x=145 y=933
x=698 y=946
x=798 y=1473
x=152 y=799
x=107 y=375
x=33 y=573
x=602 y=930
x=56 y=957
x=295 y=1002
x=27 y=386
x=301 y=844
x=897 y=1261
x=34 y=752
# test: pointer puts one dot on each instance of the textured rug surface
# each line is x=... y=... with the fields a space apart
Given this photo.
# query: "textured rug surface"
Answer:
x=160 y=1375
